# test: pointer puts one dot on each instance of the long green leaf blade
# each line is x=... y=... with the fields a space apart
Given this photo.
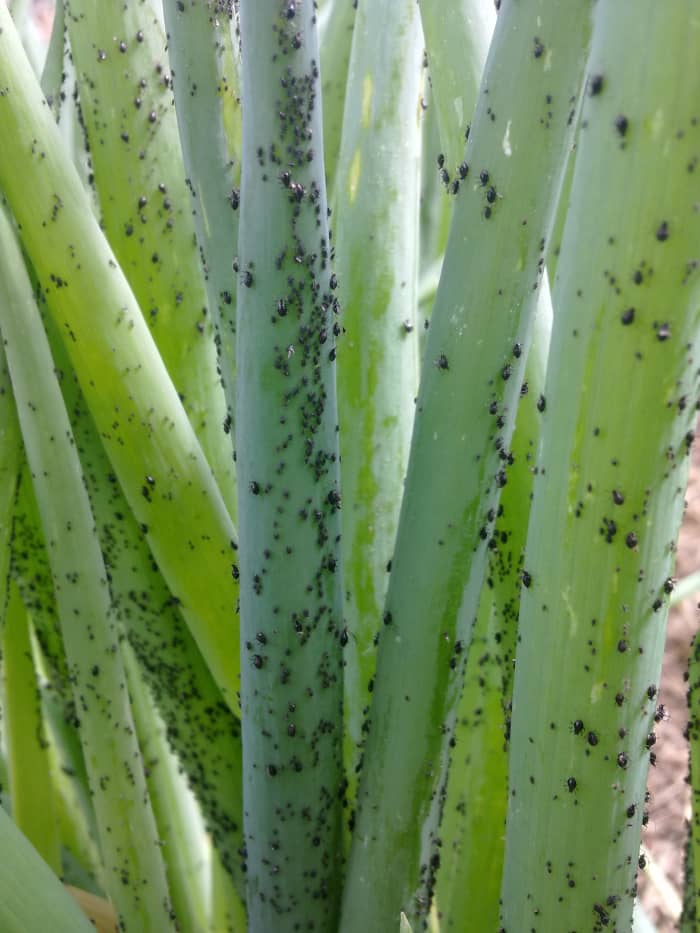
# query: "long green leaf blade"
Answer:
x=457 y=37
x=378 y=352
x=472 y=829
x=11 y=459
x=470 y=384
x=611 y=476
x=207 y=101
x=289 y=499
x=205 y=729
x=135 y=875
x=336 y=27
x=30 y=893
x=143 y=426
x=32 y=793
x=130 y=125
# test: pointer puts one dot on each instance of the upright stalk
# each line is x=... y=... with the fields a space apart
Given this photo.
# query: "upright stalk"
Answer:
x=376 y=248
x=11 y=459
x=135 y=875
x=131 y=133
x=207 y=101
x=30 y=893
x=688 y=920
x=150 y=441
x=199 y=725
x=472 y=830
x=31 y=788
x=289 y=498
x=336 y=28
x=457 y=37
x=470 y=385
x=181 y=836
x=30 y=571
x=611 y=477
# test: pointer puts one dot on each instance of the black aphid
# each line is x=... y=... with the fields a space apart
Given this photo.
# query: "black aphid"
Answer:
x=662 y=232
x=595 y=84
x=621 y=124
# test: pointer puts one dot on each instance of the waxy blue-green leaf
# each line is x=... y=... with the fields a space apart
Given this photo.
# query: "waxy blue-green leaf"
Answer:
x=206 y=89
x=457 y=38
x=473 y=366
x=472 y=828
x=134 y=876
x=376 y=250
x=174 y=672
x=610 y=481
x=289 y=496
x=336 y=25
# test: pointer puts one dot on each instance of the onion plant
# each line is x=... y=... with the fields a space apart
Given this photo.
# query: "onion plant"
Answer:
x=347 y=385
